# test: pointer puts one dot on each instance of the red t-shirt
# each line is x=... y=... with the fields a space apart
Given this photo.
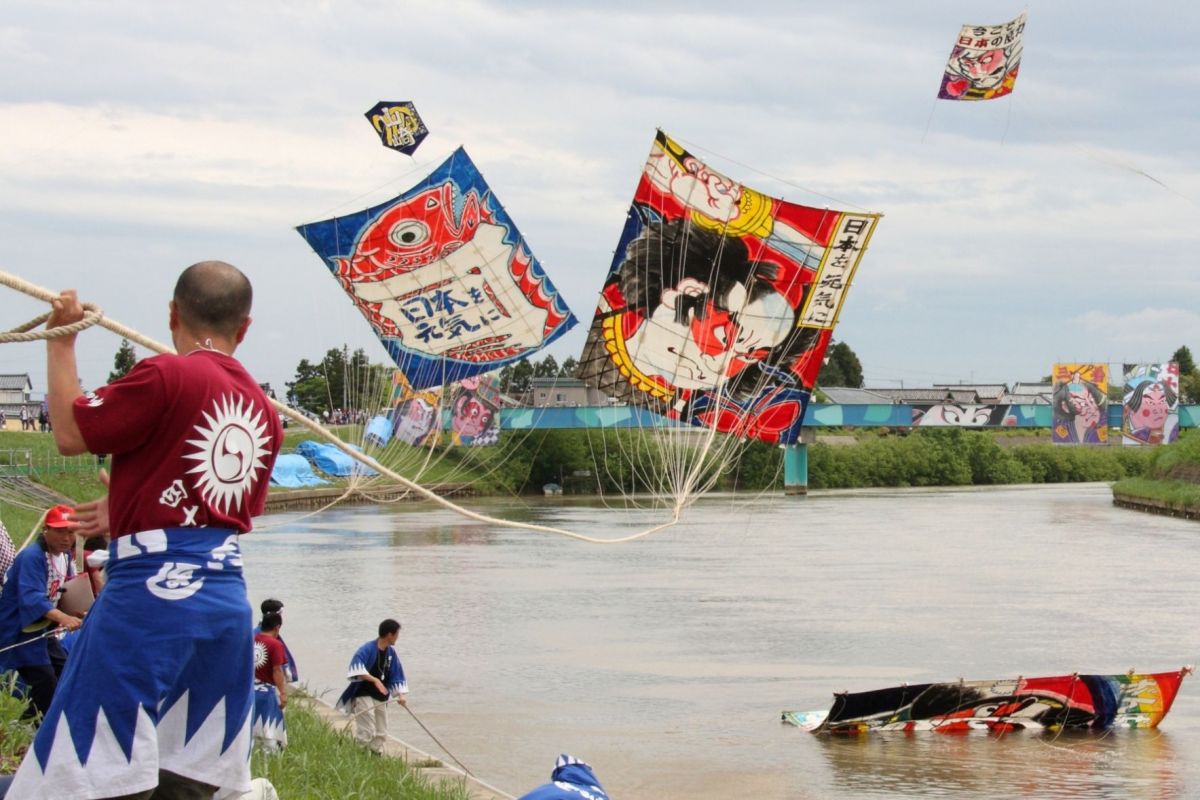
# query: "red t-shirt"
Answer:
x=268 y=654
x=193 y=440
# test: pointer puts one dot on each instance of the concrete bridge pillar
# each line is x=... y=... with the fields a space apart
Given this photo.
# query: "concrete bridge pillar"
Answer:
x=795 y=463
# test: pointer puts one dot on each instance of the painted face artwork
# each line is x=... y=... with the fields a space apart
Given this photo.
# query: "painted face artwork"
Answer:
x=706 y=345
x=952 y=415
x=414 y=421
x=1155 y=408
x=1087 y=412
x=984 y=70
x=471 y=417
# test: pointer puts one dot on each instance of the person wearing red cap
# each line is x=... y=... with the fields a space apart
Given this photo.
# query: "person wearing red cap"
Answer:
x=28 y=609
x=160 y=679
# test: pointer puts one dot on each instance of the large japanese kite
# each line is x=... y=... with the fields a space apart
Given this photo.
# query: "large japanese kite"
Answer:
x=1150 y=412
x=720 y=300
x=444 y=277
x=984 y=62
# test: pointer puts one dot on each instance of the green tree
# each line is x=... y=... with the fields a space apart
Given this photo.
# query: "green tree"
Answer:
x=123 y=361
x=567 y=370
x=520 y=380
x=546 y=368
x=1183 y=357
x=841 y=368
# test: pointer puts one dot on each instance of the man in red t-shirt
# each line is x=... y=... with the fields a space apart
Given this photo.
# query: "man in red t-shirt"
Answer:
x=270 y=685
x=193 y=440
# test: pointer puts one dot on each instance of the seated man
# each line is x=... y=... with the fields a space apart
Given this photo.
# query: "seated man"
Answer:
x=376 y=677
x=36 y=581
x=270 y=686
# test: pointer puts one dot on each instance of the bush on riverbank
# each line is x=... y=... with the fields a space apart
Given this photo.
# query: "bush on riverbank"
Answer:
x=1172 y=475
x=955 y=457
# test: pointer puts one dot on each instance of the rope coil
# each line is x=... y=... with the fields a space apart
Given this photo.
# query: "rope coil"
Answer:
x=26 y=332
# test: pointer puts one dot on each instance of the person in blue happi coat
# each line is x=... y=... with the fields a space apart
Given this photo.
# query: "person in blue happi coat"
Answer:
x=376 y=678
x=28 y=609
x=572 y=779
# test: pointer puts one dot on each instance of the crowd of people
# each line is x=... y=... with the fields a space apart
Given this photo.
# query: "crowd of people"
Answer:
x=159 y=597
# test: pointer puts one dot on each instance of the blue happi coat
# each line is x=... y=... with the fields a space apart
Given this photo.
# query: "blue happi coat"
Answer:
x=360 y=665
x=23 y=602
x=572 y=779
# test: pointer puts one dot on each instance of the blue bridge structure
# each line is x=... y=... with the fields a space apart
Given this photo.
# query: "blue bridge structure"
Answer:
x=818 y=415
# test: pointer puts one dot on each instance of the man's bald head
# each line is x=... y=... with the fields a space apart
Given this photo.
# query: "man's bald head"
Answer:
x=213 y=296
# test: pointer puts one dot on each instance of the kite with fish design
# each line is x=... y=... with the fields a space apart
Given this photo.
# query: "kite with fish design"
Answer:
x=720 y=301
x=444 y=277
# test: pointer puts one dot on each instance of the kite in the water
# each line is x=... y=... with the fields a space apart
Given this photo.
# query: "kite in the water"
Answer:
x=984 y=62
x=399 y=125
x=720 y=301
x=444 y=277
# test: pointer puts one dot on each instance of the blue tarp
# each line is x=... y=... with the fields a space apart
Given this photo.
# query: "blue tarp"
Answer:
x=331 y=460
x=293 y=472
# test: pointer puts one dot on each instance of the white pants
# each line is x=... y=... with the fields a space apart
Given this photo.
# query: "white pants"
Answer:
x=370 y=722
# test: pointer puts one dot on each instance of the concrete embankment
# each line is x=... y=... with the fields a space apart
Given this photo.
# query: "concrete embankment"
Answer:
x=301 y=499
x=1155 y=506
x=430 y=767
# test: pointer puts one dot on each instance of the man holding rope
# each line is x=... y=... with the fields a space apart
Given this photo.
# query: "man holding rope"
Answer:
x=155 y=700
x=376 y=678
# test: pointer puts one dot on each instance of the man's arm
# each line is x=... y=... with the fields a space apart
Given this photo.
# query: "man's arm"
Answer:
x=62 y=376
x=280 y=685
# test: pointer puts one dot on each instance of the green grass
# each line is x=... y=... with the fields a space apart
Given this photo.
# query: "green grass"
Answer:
x=321 y=763
x=1179 y=494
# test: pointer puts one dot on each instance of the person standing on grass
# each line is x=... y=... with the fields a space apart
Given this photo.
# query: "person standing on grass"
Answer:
x=29 y=608
x=156 y=697
x=376 y=676
x=272 y=606
x=270 y=686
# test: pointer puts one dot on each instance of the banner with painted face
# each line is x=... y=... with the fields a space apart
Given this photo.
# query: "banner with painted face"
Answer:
x=720 y=301
x=444 y=277
x=1080 y=404
x=474 y=413
x=1150 y=412
x=984 y=61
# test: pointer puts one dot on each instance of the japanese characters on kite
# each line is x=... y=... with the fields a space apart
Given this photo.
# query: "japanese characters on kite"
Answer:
x=446 y=281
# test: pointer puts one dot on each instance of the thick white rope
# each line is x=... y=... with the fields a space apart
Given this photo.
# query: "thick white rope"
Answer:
x=20 y=285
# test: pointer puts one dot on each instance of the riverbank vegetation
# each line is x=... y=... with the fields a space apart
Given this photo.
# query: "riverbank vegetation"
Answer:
x=1171 y=479
x=319 y=762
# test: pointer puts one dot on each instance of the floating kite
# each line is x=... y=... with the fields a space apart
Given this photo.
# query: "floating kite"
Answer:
x=1096 y=702
x=720 y=301
x=399 y=126
x=475 y=413
x=1150 y=414
x=1080 y=404
x=984 y=62
x=444 y=277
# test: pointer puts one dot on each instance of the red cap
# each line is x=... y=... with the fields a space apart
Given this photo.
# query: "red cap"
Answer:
x=60 y=517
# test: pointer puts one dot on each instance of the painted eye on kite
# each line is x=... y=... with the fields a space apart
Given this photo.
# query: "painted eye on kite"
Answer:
x=408 y=233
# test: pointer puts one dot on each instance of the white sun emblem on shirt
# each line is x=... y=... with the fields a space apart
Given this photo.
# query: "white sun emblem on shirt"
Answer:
x=260 y=655
x=230 y=451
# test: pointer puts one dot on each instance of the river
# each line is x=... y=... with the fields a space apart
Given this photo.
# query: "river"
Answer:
x=665 y=662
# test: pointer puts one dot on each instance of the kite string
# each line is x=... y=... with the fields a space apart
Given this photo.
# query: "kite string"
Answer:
x=18 y=284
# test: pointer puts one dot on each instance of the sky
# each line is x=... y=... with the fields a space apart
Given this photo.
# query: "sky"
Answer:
x=1057 y=224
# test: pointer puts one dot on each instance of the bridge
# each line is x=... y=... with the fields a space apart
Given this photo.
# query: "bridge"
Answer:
x=818 y=415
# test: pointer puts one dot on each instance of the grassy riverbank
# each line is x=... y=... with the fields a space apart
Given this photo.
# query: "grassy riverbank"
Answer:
x=318 y=764
x=1171 y=479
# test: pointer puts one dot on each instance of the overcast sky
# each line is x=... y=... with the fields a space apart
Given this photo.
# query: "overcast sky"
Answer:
x=141 y=137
